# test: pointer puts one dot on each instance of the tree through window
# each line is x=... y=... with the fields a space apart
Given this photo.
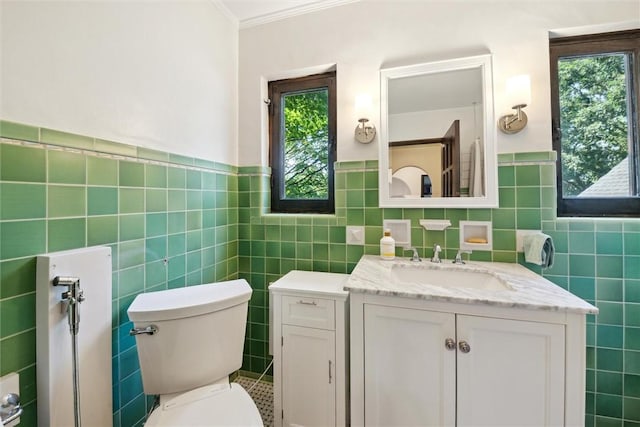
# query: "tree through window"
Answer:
x=302 y=144
x=595 y=119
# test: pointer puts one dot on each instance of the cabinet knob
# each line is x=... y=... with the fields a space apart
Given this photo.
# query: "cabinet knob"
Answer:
x=464 y=347
x=450 y=344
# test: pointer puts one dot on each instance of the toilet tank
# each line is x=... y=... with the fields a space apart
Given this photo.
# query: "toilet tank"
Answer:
x=199 y=338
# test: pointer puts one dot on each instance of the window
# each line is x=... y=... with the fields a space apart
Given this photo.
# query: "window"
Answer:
x=302 y=127
x=594 y=96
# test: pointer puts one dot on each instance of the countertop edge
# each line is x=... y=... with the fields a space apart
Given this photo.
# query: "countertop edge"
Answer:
x=531 y=291
x=493 y=303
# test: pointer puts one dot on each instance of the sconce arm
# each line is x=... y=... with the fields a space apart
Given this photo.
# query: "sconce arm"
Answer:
x=513 y=123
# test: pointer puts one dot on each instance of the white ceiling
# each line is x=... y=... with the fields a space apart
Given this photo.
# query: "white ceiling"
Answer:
x=250 y=13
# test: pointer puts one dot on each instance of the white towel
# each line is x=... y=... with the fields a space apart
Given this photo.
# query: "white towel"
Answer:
x=476 y=183
x=538 y=249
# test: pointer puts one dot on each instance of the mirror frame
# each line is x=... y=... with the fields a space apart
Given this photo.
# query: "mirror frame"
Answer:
x=490 y=200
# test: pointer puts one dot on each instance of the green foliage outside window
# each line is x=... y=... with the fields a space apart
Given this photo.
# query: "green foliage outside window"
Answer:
x=593 y=114
x=306 y=138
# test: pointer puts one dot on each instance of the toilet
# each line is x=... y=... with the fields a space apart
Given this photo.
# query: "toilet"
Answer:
x=189 y=340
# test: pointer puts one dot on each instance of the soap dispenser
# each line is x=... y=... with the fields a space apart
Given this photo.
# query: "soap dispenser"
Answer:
x=387 y=246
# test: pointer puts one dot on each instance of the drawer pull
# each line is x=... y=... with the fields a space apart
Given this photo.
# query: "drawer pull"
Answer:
x=307 y=302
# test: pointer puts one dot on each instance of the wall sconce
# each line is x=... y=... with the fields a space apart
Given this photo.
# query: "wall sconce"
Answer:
x=518 y=92
x=364 y=133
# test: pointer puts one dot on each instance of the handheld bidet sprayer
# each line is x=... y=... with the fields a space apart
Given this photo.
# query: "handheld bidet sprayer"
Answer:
x=72 y=297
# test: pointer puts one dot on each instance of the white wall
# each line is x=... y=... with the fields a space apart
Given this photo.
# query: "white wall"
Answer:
x=360 y=38
x=159 y=74
x=434 y=124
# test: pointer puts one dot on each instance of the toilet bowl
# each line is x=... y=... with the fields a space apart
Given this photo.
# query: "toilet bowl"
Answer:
x=189 y=340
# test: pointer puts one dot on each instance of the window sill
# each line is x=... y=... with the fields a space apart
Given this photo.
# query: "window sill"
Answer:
x=299 y=219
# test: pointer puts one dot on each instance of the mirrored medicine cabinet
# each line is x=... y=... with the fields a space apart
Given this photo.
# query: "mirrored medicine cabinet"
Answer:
x=437 y=144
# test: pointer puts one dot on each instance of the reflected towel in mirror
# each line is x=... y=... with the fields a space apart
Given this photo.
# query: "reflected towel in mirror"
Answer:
x=476 y=181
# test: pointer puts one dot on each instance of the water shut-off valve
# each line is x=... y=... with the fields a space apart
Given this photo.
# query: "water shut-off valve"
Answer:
x=71 y=298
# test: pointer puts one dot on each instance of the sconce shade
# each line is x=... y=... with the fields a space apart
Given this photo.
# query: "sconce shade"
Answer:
x=518 y=90
x=364 y=109
x=364 y=106
x=518 y=96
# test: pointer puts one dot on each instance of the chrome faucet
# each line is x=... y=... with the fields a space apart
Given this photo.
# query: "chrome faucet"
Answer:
x=415 y=257
x=436 y=253
x=458 y=259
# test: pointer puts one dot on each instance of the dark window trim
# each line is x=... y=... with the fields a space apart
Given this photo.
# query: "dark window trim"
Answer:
x=620 y=41
x=276 y=89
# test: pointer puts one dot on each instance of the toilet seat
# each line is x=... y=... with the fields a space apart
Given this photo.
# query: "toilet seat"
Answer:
x=212 y=405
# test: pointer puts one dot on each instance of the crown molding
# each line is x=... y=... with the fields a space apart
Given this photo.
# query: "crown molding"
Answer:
x=226 y=12
x=291 y=12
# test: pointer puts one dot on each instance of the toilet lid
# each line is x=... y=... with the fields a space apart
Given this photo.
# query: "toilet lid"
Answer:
x=208 y=406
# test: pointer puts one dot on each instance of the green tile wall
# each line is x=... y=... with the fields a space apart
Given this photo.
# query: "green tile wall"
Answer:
x=597 y=259
x=152 y=215
x=210 y=224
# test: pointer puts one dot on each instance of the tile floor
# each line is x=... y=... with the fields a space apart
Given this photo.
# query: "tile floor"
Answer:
x=262 y=394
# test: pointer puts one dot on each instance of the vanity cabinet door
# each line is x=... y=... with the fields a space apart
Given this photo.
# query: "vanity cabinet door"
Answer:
x=308 y=377
x=510 y=372
x=409 y=374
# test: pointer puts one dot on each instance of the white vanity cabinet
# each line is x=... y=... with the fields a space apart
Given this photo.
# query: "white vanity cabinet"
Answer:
x=420 y=362
x=310 y=349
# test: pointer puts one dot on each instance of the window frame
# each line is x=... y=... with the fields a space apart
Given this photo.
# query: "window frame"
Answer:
x=276 y=89
x=602 y=43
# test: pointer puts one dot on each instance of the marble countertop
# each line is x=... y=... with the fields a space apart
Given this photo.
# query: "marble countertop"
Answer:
x=523 y=288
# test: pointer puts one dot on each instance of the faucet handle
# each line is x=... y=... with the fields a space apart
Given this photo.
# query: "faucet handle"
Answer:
x=458 y=259
x=415 y=256
x=436 y=253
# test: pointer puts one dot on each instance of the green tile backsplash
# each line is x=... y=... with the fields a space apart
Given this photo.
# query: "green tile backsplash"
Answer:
x=102 y=171
x=23 y=164
x=171 y=224
x=65 y=167
x=152 y=215
x=597 y=259
x=64 y=234
x=22 y=201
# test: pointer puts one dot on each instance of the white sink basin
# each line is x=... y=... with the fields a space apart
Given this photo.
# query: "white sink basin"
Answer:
x=447 y=277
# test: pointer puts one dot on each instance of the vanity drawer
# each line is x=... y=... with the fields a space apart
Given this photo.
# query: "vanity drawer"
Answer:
x=308 y=311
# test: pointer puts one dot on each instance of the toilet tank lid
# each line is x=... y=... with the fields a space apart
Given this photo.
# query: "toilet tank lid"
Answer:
x=190 y=301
